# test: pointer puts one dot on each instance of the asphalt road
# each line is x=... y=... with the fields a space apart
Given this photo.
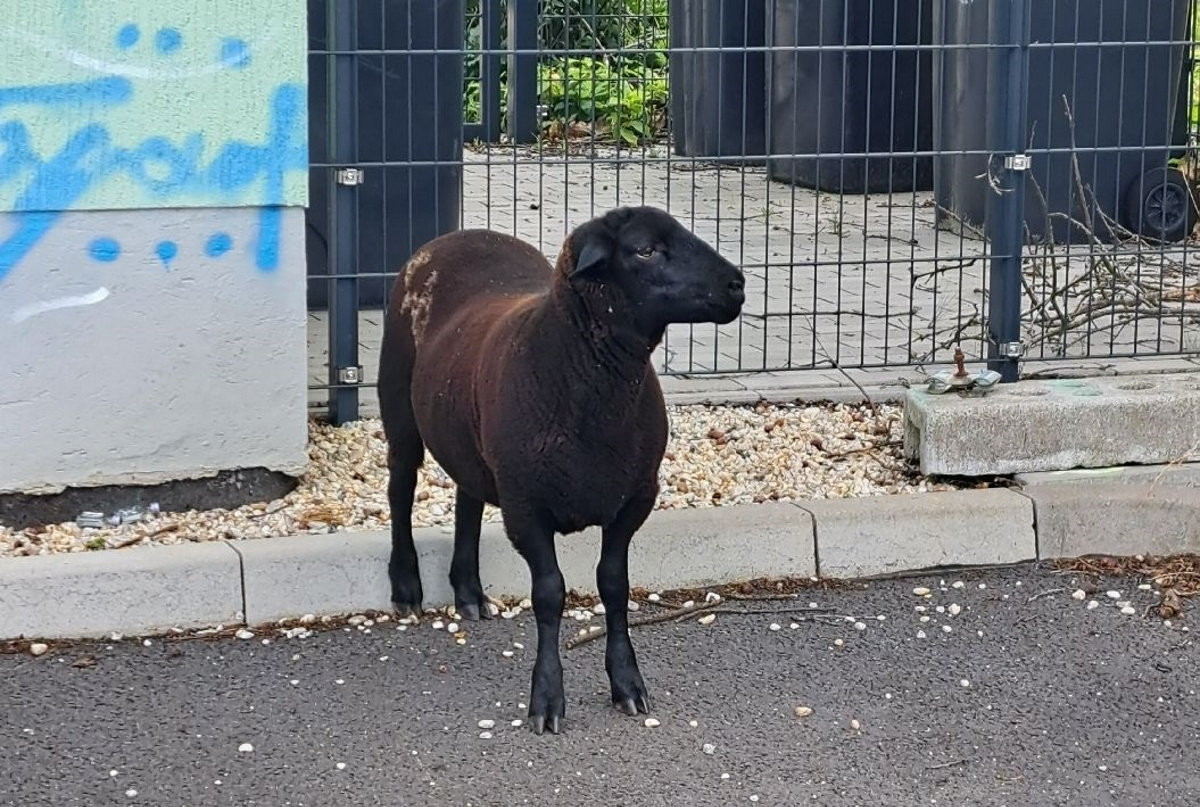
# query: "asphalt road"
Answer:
x=1061 y=705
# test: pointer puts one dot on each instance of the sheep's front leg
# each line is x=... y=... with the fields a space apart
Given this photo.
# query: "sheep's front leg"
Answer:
x=535 y=541
x=612 y=578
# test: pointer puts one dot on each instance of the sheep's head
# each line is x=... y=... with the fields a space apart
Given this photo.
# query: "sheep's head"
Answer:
x=665 y=273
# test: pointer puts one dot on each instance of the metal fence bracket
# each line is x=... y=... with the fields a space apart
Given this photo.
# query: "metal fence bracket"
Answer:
x=351 y=177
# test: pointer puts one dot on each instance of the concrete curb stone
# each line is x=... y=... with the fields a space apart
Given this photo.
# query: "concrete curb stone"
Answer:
x=289 y=577
x=137 y=591
x=1109 y=519
x=888 y=534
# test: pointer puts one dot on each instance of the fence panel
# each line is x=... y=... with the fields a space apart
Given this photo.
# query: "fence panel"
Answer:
x=897 y=178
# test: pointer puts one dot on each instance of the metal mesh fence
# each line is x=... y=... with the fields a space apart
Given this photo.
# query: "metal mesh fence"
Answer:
x=897 y=178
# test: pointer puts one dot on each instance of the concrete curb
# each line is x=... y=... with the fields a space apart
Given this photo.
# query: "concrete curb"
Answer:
x=150 y=590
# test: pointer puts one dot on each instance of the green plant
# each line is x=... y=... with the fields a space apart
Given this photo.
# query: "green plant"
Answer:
x=622 y=100
x=621 y=90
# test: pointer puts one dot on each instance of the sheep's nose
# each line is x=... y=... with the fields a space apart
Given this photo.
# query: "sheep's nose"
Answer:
x=738 y=283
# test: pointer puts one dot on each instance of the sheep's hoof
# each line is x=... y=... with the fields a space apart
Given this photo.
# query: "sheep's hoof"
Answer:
x=540 y=723
x=472 y=612
x=633 y=706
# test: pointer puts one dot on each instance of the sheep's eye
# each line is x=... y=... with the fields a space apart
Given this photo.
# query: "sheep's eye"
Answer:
x=646 y=252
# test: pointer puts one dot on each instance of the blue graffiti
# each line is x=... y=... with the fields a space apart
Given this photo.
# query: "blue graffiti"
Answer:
x=235 y=53
x=105 y=250
x=166 y=252
x=167 y=41
x=128 y=36
x=159 y=167
x=218 y=245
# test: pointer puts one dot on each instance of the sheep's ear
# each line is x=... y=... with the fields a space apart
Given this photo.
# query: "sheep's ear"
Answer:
x=593 y=257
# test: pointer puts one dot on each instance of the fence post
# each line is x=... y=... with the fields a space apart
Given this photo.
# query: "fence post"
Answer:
x=344 y=370
x=522 y=71
x=1008 y=59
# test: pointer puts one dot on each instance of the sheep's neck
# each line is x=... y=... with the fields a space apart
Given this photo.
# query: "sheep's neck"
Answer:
x=601 y=338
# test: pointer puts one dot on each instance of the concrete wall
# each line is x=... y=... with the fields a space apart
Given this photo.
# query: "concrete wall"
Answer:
x=153 y=175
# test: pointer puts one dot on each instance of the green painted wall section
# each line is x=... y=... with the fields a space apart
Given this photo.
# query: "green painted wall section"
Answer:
x=119 y=104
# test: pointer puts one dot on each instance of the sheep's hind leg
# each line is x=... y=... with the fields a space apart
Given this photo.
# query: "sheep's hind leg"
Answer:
x=404 y=458
x=535 y=541
x=612 y=578
x=464 y=567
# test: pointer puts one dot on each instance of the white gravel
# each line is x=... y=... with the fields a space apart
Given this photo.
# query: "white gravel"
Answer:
x=718 y=455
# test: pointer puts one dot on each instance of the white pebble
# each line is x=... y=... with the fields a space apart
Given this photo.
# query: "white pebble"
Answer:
x=920 y=609
x=244 y=634
x=712 y=596
x=438 y=624
x=1091 y=606
x=1128 y=610
x=941 y=609
x=946 y=629
x=341 y=766
x=1079 y=594
x=295 y=682
x=651 y=723
x=485 y=735
x=38 y=649
x=794 y=625
x=689 y=604
x=924 y=619
x=694 y=724
x=516 y=723
x=525 y=604
x=452 y=627
x=486 y=724
x=854 y=724
x=339 y=681
x=1113 y=595
x=982 y=586
x=921 y=591
x=753 y=797
x=599 y=609
x=955 y=609
x=775 y=626
x=958 y=584
x=860 y=626
x=724 y=776
x=838 y=642
x=246 y=748
x=707 y=619
x=654 y=598
x=709 y=749
x=803 y=711
x=963 y=682
x=131 y=792
x=920 y=634
x=506 y=653
x=1144 y=587
x=881 y=618
x=146 y=643
x=633 y=606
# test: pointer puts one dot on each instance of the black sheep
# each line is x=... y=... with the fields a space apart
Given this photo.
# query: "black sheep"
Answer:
x=533 y=388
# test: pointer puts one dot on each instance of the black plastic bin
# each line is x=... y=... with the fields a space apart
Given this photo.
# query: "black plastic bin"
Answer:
x=1122 y=128
x=410 y=109
x=718 y=101
x=850 y=101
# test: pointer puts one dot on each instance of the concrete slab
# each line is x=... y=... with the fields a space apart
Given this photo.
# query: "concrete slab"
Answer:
x=133 y=591
x=1185 y=474
x=343 y=572
x=889 y=534
x=1056 y=425
x=1115 y=519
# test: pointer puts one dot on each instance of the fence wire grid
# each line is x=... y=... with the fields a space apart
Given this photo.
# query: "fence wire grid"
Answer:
x=897 y=178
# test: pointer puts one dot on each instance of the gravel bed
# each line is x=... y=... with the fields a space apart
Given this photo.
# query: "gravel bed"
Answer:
x=718 y=455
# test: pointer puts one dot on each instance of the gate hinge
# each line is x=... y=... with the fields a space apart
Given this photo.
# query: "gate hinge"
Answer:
x=1012 y=350
x=1018 y=162
x=351 y=176
x=350 y=375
